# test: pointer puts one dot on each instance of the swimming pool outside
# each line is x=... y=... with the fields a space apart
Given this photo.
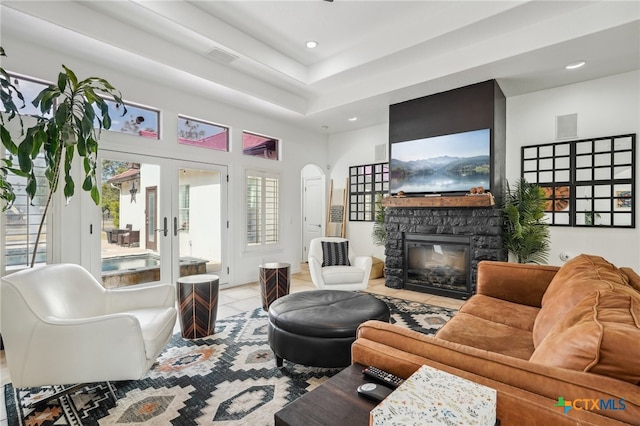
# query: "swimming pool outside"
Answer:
x=125 y=270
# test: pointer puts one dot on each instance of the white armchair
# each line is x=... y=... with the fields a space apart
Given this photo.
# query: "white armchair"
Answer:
x=327 y=273
x=60 y=326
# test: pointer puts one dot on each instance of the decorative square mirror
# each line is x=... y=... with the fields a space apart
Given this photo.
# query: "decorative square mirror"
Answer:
x=589 y=182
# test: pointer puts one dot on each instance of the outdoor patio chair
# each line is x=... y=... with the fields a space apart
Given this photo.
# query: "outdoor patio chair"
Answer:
x=131 y=237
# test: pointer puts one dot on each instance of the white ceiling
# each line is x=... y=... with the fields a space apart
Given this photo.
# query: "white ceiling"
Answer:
x=371 y=53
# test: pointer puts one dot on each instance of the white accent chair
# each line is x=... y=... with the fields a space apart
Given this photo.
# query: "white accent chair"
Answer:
x=339 y=277
x=60 y=326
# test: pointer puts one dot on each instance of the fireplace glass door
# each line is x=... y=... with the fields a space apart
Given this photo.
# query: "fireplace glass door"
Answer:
x=438 y=264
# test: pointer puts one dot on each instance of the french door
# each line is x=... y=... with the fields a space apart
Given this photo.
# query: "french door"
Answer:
x=161 y=219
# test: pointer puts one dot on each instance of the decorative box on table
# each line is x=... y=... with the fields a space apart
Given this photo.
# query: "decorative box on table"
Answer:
x=434 y=397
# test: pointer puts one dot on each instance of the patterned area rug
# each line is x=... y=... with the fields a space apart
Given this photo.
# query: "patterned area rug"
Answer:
x=229 y=378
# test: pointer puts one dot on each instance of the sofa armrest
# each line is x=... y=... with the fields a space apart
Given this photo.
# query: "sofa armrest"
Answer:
x=524 y=284
x=401 y=351
x=111 y=347
x=364 y=263
x=130 y=298
x=315 y=270
x=634 y=279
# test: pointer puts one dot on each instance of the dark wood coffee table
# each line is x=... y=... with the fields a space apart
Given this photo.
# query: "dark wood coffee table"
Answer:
x=335 y=402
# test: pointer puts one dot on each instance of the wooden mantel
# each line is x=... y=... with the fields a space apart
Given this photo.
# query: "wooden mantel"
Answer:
x=475 y=200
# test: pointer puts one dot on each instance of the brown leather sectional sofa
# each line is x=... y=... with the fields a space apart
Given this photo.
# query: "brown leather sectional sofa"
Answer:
x=560 y=345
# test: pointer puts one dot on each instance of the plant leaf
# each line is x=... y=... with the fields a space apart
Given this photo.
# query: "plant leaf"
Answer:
x=72 y=77
x=95 y=195
x=7 y=142
x=69 y=188
x=24 y=154
x=87 y=184
x=32 y=186
x=62 y=81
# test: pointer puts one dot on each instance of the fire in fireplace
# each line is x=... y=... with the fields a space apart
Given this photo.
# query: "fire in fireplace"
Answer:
x=438 y=264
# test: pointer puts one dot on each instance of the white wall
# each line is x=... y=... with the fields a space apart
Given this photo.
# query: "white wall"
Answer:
x=354 y=149
x=299 y=147
x=605 y=107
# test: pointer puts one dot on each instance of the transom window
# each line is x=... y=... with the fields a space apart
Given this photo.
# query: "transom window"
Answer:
x=203 y=134
x=138 y=121
x=260 y=146
x=30 y=89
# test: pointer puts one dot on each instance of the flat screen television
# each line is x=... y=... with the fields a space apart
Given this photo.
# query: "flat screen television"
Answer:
x=447 y=164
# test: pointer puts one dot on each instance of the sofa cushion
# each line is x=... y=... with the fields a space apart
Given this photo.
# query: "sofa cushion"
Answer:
x=480 y=333
x=335 y=254
x=342 y=274
x=599 y=335
x=501 y=311
x=578 y=278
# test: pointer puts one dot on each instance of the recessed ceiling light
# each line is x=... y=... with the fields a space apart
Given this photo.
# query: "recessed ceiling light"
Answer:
x=311 y=44
x=352 y=118
x=574 y=65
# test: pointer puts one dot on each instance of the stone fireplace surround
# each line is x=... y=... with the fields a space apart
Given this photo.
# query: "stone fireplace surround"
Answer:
x=477 y=106
x=483 y=225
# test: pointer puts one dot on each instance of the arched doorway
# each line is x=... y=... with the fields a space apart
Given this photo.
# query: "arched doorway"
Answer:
x=313 y=182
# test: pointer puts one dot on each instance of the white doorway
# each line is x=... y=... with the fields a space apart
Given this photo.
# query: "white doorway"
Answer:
x=313 y=205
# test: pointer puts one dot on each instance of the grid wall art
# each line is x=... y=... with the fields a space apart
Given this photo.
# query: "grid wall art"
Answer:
x=365 y=183
x=588 y=182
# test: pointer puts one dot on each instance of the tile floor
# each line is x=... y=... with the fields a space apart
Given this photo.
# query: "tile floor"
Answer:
x=239 y=299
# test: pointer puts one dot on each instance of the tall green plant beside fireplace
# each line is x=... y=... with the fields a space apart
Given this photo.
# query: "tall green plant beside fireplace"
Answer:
x=66 y=126
x=526 y=234
x=379 y=233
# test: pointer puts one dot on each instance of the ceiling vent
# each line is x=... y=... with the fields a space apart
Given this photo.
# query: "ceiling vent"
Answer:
x=221 y=56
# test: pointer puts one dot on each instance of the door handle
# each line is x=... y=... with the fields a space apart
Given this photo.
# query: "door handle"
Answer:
x=164 y=230
x=175 y=227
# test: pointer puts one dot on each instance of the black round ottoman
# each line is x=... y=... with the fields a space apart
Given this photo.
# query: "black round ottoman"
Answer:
x=317 y=328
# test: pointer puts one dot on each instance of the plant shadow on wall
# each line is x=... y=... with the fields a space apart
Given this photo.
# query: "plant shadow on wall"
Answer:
x=71 y=115
x=526 y=234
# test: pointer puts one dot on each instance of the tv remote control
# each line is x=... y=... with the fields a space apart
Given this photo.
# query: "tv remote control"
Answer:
x=382 y=376
x=373 y=391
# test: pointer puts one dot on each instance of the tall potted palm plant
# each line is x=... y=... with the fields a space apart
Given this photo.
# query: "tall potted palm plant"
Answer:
x=67 y=125
x=526 y=234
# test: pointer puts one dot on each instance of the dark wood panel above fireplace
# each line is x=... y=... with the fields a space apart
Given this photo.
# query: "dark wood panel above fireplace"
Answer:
x=477 y=106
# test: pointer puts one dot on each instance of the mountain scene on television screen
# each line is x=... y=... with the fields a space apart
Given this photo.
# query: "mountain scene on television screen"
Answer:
x=451 y=166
